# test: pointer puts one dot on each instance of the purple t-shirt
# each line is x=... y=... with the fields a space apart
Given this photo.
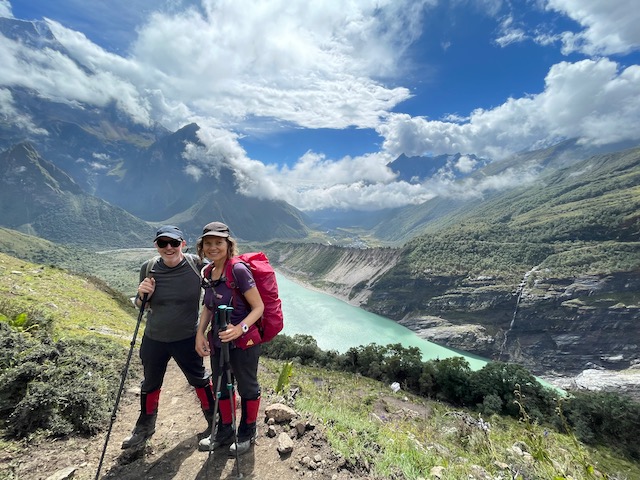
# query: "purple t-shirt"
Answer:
x=221 y=294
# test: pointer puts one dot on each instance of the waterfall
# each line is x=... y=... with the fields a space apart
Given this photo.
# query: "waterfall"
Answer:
x=519 y=293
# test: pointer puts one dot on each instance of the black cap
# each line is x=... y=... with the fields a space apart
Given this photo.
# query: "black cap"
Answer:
x=169 y=231
x=217 y=229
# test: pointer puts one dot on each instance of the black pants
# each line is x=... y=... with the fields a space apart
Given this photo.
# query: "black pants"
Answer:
x=155 y=357
x=244 y=368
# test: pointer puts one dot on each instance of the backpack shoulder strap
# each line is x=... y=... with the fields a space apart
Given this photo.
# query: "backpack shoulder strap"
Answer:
x=151 y=263
x=205 y=271
x=188 y=257
x=192 y=263
x=230 y=274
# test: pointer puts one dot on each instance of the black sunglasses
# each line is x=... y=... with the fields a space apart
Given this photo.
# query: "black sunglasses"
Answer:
x=163 y=243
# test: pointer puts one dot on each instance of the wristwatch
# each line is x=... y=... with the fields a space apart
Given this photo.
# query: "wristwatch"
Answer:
x=245 y=327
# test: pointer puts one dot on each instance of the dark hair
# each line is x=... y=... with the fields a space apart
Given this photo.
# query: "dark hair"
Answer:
x=232 y=247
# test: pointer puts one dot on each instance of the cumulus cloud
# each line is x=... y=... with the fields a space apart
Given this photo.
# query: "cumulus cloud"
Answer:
x=309 y=65
x=55 y=75
x=592 y=99
x=471 y=188
x=5 y=9
x=465 y=164
x=610 y=26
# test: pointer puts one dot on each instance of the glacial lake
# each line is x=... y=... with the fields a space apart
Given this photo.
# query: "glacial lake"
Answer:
x=336 y=325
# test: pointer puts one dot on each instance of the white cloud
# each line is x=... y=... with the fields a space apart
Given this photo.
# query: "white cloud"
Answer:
x=12 y=115
x=509 y=33
x=307 y=64
x=311 y=65
x=477 y=188
x=5 y=9
x=510 y=36
x=97 y=166
x=590 y=99
x=610 y=26
x=55 y=75
x=465 y=164
x=359 y=195
x=314 y=182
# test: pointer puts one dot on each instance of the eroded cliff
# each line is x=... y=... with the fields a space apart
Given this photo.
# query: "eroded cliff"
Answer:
x=551 y=325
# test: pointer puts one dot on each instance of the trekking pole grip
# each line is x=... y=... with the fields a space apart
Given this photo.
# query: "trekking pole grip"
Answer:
x=222 y=318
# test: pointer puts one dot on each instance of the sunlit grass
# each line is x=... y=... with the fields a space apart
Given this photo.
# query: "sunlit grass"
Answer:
x=398 y=435
x=75 y=306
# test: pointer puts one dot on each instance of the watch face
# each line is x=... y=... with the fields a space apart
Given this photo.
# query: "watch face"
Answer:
x=245 y=328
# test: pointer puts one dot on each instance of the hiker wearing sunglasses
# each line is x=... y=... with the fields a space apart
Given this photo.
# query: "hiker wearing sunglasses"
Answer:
x=171 y=283
x=239 y=337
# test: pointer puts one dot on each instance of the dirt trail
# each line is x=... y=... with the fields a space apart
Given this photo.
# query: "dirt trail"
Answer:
x=172 y=452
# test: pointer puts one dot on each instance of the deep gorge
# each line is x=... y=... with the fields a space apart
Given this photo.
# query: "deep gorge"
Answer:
x=562 y=325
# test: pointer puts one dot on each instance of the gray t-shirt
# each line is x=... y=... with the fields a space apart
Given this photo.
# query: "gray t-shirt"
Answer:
x=174 y=305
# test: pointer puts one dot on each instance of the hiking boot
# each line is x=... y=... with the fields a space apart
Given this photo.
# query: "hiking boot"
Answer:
x=246 y=430
x=209 y=417
x=242 y=446
x=144 y=429
x=224 y=436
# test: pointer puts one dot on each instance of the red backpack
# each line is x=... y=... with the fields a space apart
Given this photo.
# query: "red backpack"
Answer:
x=272 y=320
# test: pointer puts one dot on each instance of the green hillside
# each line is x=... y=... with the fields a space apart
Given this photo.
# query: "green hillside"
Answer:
x=38 y=198
x=584 y=219
x=594 y=199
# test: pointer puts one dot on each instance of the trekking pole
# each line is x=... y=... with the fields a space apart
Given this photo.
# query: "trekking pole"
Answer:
x=216 y=404
x=122 y=379
x=224 y=362
x=225 y=353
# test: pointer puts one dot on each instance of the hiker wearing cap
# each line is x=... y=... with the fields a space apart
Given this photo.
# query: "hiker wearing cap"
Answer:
x=217 y=245
x=171 y=282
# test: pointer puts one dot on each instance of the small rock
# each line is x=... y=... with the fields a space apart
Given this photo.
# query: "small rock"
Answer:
x=280 y=413
x=300 y=428
x=63 y=474
x=437 y=471
x=517 y=450
x=285 y=444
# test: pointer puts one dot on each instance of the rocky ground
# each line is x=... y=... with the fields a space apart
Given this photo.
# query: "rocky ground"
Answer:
x=172 y=452
x=625 y=382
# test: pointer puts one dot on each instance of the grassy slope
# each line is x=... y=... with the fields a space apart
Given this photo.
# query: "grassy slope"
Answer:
x=596 y=200
x=368 y=423
x=75 y=305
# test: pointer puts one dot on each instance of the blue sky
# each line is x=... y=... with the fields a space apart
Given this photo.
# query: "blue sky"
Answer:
x=309 y=101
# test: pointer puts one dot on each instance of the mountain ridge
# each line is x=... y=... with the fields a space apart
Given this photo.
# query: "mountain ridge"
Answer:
x=40 y=199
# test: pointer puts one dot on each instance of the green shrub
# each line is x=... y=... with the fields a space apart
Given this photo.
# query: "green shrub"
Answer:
x=56 y=387
x=605 y=418
x=27 y=319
